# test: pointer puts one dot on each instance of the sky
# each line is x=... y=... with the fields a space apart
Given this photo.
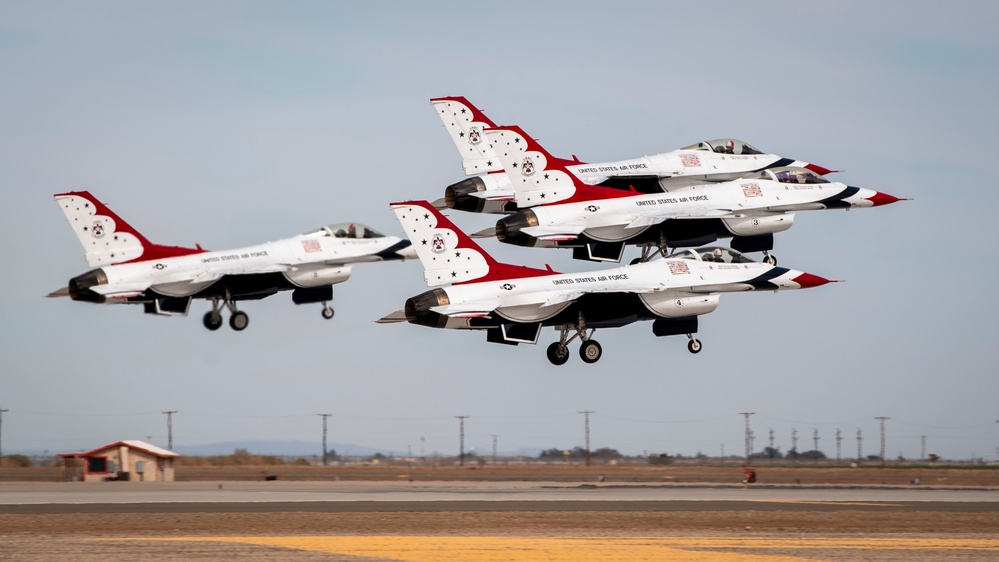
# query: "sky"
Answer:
x=228 y=124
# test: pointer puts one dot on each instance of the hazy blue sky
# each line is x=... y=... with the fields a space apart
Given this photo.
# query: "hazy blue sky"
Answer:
x=233 y=123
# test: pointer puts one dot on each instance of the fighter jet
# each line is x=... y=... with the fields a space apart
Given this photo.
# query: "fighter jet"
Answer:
x=489 y=190
x=129 y=269
x=597 y=222
x=512 y=303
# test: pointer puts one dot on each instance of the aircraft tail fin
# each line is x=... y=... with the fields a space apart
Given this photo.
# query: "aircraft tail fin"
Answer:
x=465 y=123
x=106 y=238
x=450 y=256
x=537 y=176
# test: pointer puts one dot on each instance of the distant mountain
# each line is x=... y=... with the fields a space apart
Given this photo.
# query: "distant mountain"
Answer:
x=278 y=448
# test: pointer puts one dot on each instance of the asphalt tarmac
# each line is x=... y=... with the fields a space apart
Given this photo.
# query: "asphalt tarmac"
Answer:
x=493 y=521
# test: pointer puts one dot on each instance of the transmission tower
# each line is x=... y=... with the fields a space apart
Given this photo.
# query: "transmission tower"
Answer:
x=839 y=441
x=860 y=450
x=749 y=435
x=325 y=453
x=461 y=440
x=169 y=415
x=882 y=420
x=586 y=425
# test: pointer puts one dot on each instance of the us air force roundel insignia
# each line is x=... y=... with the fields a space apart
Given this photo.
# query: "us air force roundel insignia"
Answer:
x=592 y=208
x=507 y=286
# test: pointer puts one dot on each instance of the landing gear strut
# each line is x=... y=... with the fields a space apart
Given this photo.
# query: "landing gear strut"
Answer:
x=590 y=351
x=651 y=250
x=213 y=319
x=327 y=311
x=694 y=345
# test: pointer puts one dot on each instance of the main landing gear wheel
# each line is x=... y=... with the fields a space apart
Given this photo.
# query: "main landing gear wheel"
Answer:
x=239 y=321
x=212 y=320
x=327 y=311
x=558 y=354
x=769 y=258
x=694 y=345
x=590 y=351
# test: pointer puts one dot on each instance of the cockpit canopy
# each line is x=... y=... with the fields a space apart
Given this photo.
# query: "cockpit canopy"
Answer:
x=715 y=254
x=725 y=146
x=346 y=230
x=794 y=175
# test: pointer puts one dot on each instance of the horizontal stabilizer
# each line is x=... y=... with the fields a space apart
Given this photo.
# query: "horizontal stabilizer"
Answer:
x=471 y=310
x=62 y=292
x=440 y=204
x=485 y=233
x=395 y=317
x=122 y=291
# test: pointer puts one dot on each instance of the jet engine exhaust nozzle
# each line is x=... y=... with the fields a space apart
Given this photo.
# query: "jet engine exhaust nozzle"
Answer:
x=79 y=286
x=510 y=229
x=459 y=196
x=419 y=309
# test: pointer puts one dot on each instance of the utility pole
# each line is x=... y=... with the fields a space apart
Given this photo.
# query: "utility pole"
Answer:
x=794 y=443
x=839 y=440
x=461 y=440
x=882 y=420
x=772 y=452
x=815 y=438
x=749 y=437
x=2 y=410
x=169 y=415
x=922 y=447
x=860 y=451
x=494 y=448
x=586 y=425
x=325 y=453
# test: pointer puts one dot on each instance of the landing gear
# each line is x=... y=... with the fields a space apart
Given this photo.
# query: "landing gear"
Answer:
x=213 y=319
x=239 y=321
x=652 y=250
x=590 y=351
x=558 y=354
x=769 y=258
x=694 y=345
x=327 y=311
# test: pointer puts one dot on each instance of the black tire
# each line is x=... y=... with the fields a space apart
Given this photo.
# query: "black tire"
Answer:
x=694 y=346
x=590 y=351
x=771 y=259
x=635 y=261
x=212 y=321
x=558 y=354
x=327 y=313
x=239 y=321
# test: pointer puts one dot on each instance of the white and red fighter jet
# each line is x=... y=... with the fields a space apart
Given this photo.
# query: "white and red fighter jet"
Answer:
x=512 y=303
x=597 y=222
x=129 y=269
x=489 y=190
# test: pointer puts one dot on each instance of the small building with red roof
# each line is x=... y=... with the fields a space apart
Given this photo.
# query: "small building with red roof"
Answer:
x=125 y=460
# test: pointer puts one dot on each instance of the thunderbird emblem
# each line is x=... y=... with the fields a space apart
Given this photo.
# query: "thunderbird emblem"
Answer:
x=474 y=136
x=437 y=244
x=97 y=230
x=527 y=167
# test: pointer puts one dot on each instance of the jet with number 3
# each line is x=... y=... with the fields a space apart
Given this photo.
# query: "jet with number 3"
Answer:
x=473 y=291
x=129 y=269
x=490 y=191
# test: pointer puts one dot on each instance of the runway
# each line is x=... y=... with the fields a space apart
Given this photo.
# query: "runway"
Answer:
x=494 y=521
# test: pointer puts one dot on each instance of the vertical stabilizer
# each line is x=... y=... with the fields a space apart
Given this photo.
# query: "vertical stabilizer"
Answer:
x=106 y=238
x=465 y=123
x=538 y=177
x=450 y=256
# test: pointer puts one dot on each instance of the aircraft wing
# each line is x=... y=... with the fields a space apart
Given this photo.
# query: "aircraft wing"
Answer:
x=555 y=233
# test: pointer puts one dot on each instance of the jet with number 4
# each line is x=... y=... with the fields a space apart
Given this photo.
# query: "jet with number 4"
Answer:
x=490 y=191
x=598 y=222
x=512 y=303
x=129 y=269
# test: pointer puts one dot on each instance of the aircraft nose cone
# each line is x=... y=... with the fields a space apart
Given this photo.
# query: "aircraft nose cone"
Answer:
x=881 y=198
x=807 y=280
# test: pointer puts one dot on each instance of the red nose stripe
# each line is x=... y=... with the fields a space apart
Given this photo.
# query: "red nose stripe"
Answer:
x=881 y=198
x=807 y=280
